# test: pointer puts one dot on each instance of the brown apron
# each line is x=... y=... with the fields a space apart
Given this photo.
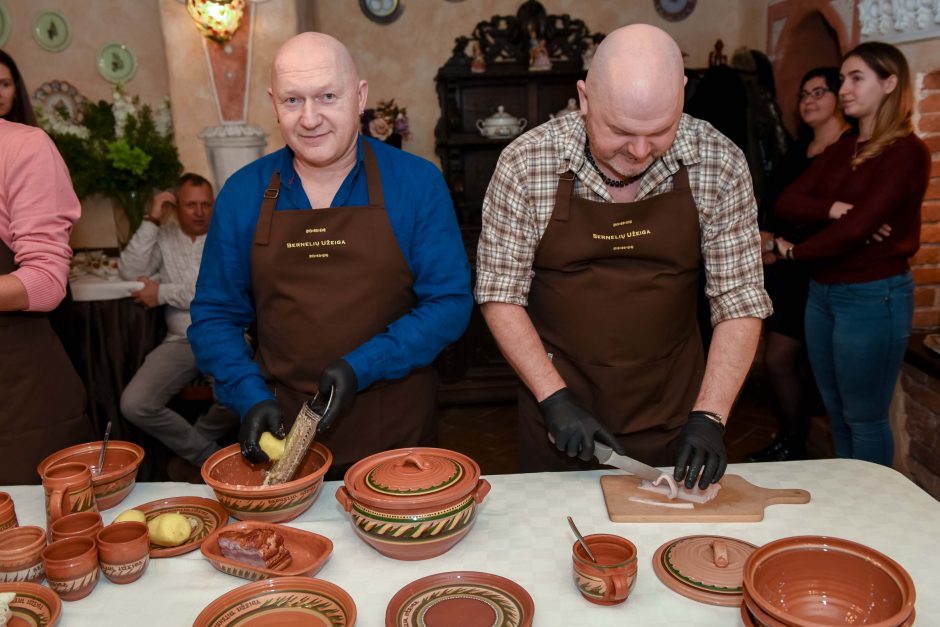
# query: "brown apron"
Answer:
x=325 y=282
x=42 y=399
x=614 y=302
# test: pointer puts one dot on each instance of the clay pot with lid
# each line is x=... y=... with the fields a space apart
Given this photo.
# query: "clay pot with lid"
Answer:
x=414 y=503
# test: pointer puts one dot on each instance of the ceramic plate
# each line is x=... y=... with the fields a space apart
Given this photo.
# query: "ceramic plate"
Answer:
x=33 y=606
x=462 y=597
x=281 y=602
x=205 y=516
x=117 y=63
x=687 y=566
x=308 y=551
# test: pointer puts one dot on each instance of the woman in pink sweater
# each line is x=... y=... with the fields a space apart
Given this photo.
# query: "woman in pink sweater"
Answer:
x=42 y=400
x=861 y=296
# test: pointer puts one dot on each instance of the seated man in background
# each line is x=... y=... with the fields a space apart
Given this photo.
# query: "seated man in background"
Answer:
x=171 y=253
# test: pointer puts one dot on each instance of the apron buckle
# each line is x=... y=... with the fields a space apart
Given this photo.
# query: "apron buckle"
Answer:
x=271 y=193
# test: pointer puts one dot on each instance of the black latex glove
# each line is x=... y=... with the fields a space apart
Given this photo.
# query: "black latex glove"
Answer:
x=572 y=428
x=341 y=379
x=701 y=444
x=263 y=416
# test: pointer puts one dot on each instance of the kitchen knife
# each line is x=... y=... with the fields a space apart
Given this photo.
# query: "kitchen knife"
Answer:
x=606 y=455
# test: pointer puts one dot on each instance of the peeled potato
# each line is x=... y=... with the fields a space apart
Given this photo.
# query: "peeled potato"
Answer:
x=169 y=529
x=272 y=446
x=131 y=515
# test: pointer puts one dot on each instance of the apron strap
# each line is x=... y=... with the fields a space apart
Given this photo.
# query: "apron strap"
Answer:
x=680 y=182
x=263 y=231
x=373 y=178
x=563 y=196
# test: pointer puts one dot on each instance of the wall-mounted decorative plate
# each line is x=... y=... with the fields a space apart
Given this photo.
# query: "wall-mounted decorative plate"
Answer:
x=382 y=11
x=117 y=63
x=51 y=31
x=5 y=26
x=61 y=95
x=674 y=10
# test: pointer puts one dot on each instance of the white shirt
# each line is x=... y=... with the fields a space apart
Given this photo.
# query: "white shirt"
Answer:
x=171 y=258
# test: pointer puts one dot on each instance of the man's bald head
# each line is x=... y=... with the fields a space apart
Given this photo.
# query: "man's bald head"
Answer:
x=313 y=50
x=638 y=68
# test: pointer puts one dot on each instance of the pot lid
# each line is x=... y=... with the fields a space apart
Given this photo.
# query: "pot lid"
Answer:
x=501 y=118
x=704 y=568
x=404 y=478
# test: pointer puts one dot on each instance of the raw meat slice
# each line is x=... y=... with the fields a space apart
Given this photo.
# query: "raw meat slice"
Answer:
x=695 y=495
x=262 y=548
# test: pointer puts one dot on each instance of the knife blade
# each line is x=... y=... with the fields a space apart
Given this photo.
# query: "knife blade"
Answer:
x=606 y=455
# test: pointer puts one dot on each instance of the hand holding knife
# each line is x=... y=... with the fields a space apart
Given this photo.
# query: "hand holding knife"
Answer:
x=607 y=456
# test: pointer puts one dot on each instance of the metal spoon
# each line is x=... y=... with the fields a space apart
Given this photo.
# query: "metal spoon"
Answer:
x=104 y=447
x=581 y=540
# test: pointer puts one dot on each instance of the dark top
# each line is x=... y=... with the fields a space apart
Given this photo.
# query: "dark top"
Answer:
x=888 y=189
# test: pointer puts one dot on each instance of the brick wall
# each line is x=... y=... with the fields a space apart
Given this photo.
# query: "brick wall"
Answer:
x=921 y=418
x=926 y=264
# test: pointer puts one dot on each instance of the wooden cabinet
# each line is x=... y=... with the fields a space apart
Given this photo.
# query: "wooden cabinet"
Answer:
x=473 y=369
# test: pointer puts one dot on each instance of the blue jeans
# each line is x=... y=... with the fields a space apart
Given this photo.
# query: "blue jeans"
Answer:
x=856 y=335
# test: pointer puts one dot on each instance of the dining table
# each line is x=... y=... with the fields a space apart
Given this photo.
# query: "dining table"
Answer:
x=521 y=534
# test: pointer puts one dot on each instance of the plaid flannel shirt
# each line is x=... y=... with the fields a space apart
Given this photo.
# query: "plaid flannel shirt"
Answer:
x=521 y=197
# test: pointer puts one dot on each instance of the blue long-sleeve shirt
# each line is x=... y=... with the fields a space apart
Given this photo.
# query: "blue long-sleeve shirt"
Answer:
x=423 y=221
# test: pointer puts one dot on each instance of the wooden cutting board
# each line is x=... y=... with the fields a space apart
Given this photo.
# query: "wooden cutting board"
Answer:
x=738 y=501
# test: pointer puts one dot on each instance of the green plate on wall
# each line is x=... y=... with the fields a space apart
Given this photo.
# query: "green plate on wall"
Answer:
x=5 y=26
x=117 y=63
x=51 y=31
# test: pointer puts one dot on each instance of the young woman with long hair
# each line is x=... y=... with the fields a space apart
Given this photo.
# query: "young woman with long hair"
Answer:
x=861 y=294
x=14 y=99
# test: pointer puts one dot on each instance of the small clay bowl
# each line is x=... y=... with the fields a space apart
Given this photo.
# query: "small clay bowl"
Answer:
x=72 y=567
x=308 y=551
x=21 y=554
x=7 y=512
x=124 y=551
x=118 y=473
x=237 y=484
x=807 y=581
x=32 y=605
x=85 y=523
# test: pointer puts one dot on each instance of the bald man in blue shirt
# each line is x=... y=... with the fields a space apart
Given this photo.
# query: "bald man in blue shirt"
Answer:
x=352 y=300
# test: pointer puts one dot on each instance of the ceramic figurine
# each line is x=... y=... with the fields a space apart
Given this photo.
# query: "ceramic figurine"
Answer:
x=478 y=65
x=539 y=60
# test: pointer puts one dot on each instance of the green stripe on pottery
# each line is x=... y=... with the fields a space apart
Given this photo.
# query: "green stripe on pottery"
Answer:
x=694 y=582
x=110 y=492
x=411 y=518
x=244 y=573
x=255 y=508
x=393 y=541
x=507 y=607
x=383 y=489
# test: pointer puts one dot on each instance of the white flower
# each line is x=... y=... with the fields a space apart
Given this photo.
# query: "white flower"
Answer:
x=162 y=119
x=122 y=108
x=54 y=123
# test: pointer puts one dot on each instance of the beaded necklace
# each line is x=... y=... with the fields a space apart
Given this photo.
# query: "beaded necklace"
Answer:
x=607 y=180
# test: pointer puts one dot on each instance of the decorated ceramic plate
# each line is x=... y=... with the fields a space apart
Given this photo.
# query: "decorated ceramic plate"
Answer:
x=284 y=602
x=461 y=598
x=704 y=568
x=33 y=606
x=204 y=515
x=308 y=551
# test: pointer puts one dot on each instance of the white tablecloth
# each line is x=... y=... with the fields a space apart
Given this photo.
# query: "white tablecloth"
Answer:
x=521 y=533
x=91 y=287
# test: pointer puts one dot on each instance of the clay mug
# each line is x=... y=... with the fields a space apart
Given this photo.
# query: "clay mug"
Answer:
x=68 y=490
x=7 y=513
x=72 y=567
x=124 y=551
x=609 y=580
x=78 y=524
x=21 y=554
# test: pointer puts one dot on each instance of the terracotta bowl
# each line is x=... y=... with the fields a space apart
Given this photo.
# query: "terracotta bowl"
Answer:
x=33 y=604
x=119 y=470
x=86 y=523
x=308 y=551
x=808 y=581
x=237 y=484
x=413 y=504
x=21 y=554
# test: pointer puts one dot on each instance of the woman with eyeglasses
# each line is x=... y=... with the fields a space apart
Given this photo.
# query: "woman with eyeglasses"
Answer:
x=785 y=359
x=861 y=294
